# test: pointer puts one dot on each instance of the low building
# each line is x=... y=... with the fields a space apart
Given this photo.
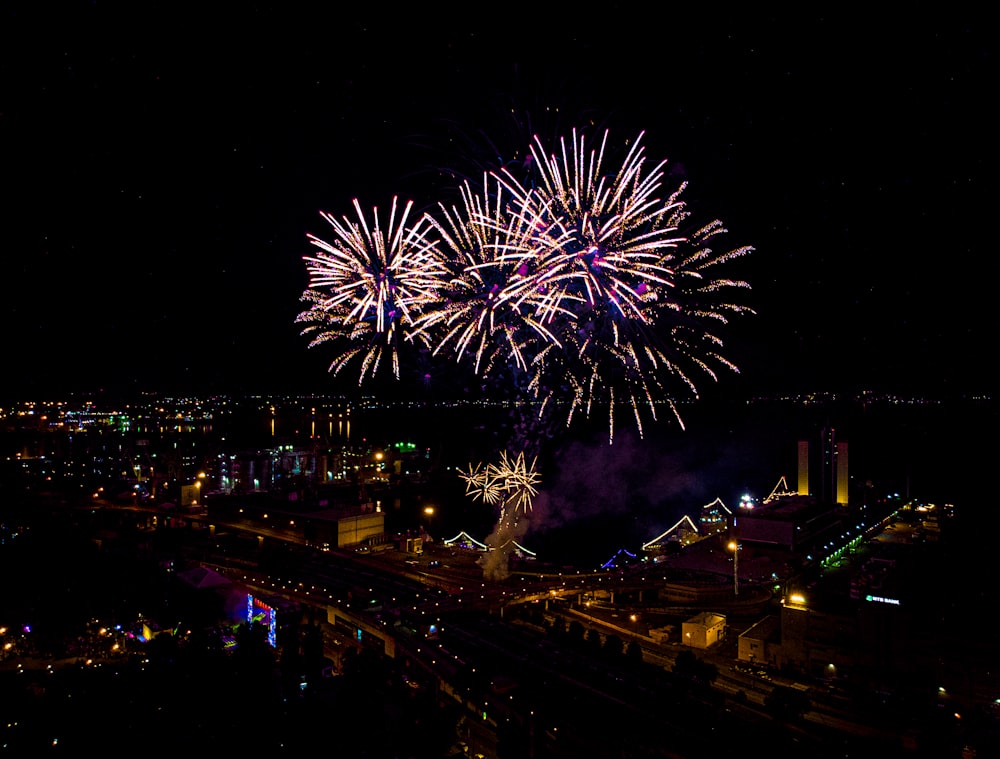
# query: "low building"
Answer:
x=703 y=630
x=664 y=634
x=410 y=544
x=761 y=642
x=793 y=523
x=359 y=528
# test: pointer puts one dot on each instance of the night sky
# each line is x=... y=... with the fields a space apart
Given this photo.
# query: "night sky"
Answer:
x=162 y=169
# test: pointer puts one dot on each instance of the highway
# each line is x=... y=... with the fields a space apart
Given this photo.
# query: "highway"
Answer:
x=476 y=645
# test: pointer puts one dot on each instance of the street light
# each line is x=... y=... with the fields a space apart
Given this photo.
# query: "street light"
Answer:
x=735 y=548
x=199 y=485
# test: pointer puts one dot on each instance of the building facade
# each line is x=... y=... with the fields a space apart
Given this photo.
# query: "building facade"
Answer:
x=823 y=468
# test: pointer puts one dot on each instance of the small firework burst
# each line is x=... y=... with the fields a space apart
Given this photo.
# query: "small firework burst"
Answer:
x=512 y=483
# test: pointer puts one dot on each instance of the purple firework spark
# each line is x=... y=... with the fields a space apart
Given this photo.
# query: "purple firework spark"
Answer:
x=584 y=284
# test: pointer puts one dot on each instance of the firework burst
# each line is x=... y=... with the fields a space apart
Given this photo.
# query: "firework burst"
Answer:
x=512 y=484
x=482 y=314
x=583 y=286
x=576 y=288
x=367 y=284
x=628 y=296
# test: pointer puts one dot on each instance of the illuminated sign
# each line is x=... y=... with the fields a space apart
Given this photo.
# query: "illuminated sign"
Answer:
x=883 y=600
x=262 y=613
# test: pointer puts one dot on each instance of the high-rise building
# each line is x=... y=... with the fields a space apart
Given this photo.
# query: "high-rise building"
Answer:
x=803 y=467
x=841 y=478
x=823 y=468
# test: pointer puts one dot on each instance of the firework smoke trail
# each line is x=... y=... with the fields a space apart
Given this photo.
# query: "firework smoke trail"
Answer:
x=366 y=284
x=577 y=292
x=511 y=484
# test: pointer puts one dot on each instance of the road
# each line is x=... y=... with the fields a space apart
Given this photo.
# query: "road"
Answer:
x=470 y=612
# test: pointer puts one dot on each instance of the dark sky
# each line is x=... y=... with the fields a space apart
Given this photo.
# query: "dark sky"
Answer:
x=163 y=167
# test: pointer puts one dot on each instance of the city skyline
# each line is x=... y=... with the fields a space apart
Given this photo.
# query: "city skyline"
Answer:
x=590 y=493
x=810 y=648
x=163 y=193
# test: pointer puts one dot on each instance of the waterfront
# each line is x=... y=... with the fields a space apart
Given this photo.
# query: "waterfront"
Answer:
x=593 y=497
x=600 y=497
x=648 y=482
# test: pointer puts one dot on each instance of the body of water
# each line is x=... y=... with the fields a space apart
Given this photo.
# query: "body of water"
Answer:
x=596 y=495
x=603 y=494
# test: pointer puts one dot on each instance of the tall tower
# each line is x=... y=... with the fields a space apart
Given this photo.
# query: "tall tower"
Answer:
x=841 y=495
x=824 y=467
x=827 y=465
x=803 y=467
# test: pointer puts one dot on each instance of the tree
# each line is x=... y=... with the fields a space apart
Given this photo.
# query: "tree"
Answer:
x=685 y=664
x=614 y=647
x=708 y=672
x=690 y=667
x=557 y=630
x=593 y=640
x=575 y=633
x=785 y=703
x=633 y=653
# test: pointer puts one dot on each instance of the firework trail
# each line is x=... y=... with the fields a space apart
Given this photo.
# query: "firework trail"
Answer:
x=627 y=297
x=482 y=316
x=511 y=485
x=366 y=284
x=576 y=289
x=584 y=286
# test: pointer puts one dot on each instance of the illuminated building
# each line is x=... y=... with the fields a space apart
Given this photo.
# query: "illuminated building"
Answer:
x=816 y=638
x=792 y=522
x=684 y=532
x=759 y=643
x=863 y=639
x=465 y=540
x=823 y=468
x=703 y=630
x=715 y=517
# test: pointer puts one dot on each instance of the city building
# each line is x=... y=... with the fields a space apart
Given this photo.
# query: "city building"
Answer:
x=715 y=517
x=684 y=532
x=795 y=523
x=703 y=630
x=760 y=643
x=823 y=468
